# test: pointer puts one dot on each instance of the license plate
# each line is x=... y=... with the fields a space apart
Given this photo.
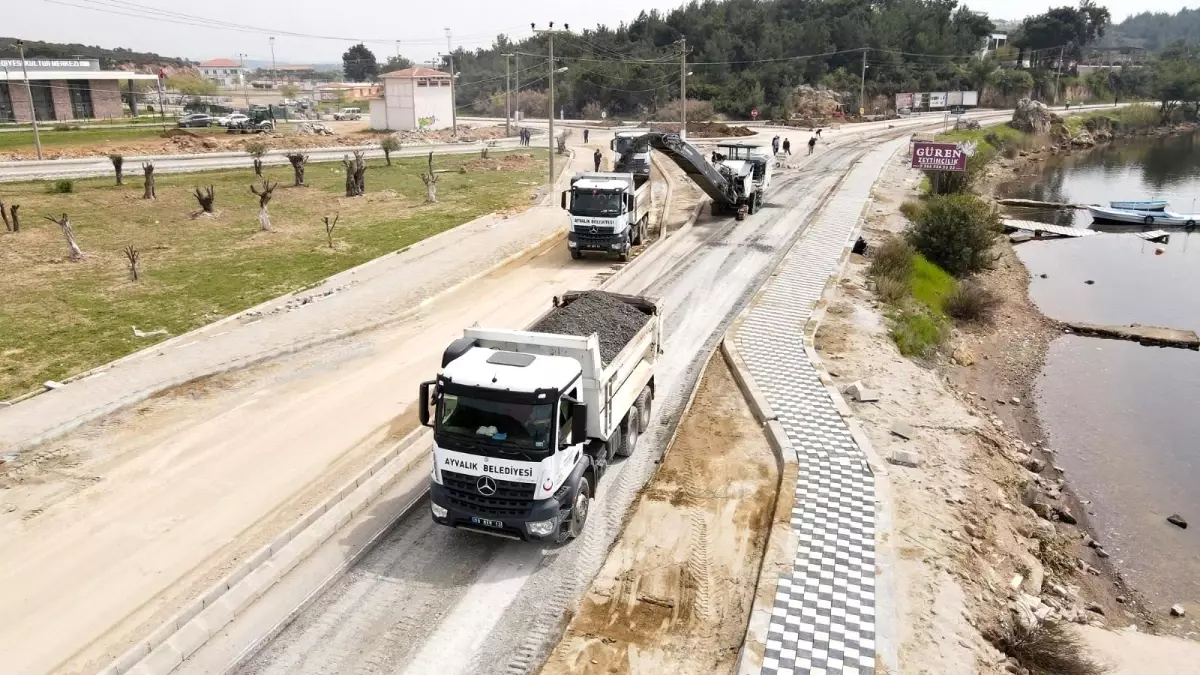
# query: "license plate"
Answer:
x=487 y=523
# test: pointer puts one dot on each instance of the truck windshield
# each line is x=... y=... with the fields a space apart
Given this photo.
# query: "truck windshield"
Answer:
x=624 y=144
x=596 y=203
x=493 y=422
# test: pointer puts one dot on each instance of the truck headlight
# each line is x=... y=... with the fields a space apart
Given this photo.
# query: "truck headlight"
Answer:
x=541 y=528
x=616 y=246
x=438 y=511
x=571 y=243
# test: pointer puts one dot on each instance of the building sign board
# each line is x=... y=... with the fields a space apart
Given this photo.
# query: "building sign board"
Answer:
x=930 y=156
x=51 y=64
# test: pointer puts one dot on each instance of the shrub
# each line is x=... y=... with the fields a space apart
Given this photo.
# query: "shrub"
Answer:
x=955 y=232
x=592 y=111
x=1047 y=648
x=911 y=209
x=958 y=182
x=697 y=111
x=1009 y=153
x=972 y=303
x=916 y=333
x=256 y=149
x=891 y=290
x=930 y=285
x=892 y=259
x=64 y=186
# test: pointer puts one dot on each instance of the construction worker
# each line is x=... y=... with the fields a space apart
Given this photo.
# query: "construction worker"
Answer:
x=597 y=158
x=775 y=145
x=787 y=147
x=812 y=143
x=585 y=135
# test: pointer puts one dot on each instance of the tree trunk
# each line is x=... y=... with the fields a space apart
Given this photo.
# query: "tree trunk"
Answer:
x=356 y=169
x=387 y=155
x=16 y=220
x=118 y=163
x=134 y=257
x=4 y=215
x=264 y=219
x=75 y=253
x=148 y=168
x=206 y=198
x=430 y=179
x=258 y=167
x=298 y=161
x=264 y=198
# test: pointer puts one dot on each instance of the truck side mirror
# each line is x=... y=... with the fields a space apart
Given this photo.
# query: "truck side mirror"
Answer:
x=423 y=403
x=564 y=199
x=579 y=415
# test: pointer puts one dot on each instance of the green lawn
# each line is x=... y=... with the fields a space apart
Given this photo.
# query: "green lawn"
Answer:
x=52 y=138
x=62 y=317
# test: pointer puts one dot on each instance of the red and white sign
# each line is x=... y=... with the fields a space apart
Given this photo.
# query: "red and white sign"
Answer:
x=754 y=113
x=929 y=156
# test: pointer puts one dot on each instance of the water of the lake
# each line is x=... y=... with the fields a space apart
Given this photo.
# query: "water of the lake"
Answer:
x=1123 y=418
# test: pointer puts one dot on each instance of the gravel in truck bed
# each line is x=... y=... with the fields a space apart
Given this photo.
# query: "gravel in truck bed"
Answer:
x=614 y=321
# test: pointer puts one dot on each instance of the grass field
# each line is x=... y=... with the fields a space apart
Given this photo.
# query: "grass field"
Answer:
x=60 y=317
x=52 y=138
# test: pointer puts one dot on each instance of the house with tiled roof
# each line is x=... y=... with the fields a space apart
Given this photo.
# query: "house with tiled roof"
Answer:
x=414 y=99
x=225 y=72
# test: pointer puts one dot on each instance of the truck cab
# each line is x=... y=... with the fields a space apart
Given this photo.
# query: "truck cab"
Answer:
x=632 y=148
x=748 y=169
x=609 y=213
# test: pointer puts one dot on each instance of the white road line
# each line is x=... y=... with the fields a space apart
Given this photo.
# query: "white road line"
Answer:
x=449 y=650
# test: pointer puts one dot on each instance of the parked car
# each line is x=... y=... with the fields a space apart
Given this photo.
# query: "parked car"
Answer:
x=234 y=120
x=195 y=120
x=348 y=114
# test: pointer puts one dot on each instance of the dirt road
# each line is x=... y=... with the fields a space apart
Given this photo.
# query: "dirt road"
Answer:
x=675 y=592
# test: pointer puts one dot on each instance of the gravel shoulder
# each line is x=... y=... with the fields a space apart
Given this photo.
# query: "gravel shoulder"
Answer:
x=675 y=591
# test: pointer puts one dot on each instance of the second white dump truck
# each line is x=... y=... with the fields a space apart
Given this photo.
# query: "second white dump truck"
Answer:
x=610 y=213
x=526 y=422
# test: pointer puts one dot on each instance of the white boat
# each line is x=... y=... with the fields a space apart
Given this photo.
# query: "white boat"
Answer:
x=1168 y=218
x=1147 y=205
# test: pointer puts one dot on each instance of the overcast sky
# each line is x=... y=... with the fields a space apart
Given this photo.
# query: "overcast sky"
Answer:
x=125 y=23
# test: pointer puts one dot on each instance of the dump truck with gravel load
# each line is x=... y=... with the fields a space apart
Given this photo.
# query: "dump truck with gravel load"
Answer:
x=610 y=212
x=526 y=422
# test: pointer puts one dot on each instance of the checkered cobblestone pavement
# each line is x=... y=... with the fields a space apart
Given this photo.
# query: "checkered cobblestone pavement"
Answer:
x=823 y=621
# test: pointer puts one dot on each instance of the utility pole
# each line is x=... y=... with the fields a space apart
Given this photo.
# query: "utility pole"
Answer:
x=397 y=48
x=683 y=88
x=1057 y=73
x=549 y=33
x=453 y=101
x=507 y=92
x=242 y=79
x=37 y=140
x=862 y=86
x=274 y=73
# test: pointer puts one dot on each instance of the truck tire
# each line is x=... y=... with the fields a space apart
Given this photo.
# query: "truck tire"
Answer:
x=576 y=253
x=623 y=256
x=632 y=431
x=645 y=403
x=576 y=520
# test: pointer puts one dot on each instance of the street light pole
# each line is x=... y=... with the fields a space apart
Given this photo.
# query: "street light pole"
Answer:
x=507 y=92
x=549 y=33
x=862 y=87
x=274 y=73
x=453 y=101
x=37 y=140
x=683 y=88
x=242 y=78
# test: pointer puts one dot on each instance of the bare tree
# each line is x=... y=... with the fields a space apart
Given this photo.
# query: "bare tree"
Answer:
x=329 y=228
x=264 y=198
x=148 y=168
x=4 y=215
x=134 y=258
x=389 y=144
x=16 y=220
x=483 y=152
x=356 y=169
x=118 y=163
x=298 y=161
x=257 y=150
x=430 y=179
x=562 y=141
x=65 y=223
x=206 y=199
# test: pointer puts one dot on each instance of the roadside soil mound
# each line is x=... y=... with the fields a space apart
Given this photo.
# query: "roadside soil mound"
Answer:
x=675 y=593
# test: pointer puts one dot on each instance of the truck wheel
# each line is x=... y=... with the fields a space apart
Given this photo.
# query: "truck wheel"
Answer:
x=573 y=527
x=635 y=234
x=644 y=406
x=624 y=255
x=576 y=253
x=633 y=429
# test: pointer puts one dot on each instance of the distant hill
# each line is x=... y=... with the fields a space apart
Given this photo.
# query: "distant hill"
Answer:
x=1155 y=30
x=109 y=58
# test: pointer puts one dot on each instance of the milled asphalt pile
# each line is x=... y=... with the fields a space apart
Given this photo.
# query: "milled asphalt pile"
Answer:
x=614 y=321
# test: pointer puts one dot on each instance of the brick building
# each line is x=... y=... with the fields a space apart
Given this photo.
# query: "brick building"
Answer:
x=61 y=89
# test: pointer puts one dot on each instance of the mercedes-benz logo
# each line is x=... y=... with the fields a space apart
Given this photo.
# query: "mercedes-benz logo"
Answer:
x=594 y=230
x=486 y=486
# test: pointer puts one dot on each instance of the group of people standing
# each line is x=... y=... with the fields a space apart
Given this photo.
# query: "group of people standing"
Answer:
x=787 y=144
x=524 y=135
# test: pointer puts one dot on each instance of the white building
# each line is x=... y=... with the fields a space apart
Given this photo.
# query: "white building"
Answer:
x=224 y=72
x=413 y=99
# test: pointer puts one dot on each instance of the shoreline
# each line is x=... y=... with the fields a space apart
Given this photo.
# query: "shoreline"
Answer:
x=971 y=555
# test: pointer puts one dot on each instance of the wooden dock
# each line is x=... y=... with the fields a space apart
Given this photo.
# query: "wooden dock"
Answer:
x=1144 y=335
x=1036 y=204
x=1041 y=230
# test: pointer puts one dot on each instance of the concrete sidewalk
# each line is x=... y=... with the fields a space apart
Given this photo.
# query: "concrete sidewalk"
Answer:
x=384 y=289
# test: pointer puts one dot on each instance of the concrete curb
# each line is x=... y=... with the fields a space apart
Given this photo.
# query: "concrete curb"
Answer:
x=181 y=635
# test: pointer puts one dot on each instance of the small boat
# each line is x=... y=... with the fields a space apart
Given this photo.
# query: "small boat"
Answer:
x=1168 y=218
x=1147 y=205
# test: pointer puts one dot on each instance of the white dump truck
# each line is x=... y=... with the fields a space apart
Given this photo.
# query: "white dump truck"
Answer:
x=748 y=166
x=526 y=422
x=610 y=212
x=632 y=150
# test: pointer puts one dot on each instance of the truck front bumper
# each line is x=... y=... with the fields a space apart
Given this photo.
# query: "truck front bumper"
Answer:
x=545 y=512
x=606 y=243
